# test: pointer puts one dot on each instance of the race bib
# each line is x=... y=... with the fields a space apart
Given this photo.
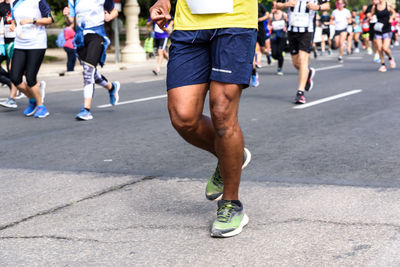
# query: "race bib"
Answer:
x=278 y=25
x=8 y=33
x=210 y=6
x=300 y=19
x=374 y=19
x=365 y=25
x=378 y=27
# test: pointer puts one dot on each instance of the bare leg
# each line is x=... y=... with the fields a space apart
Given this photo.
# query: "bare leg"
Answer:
x=229 y=143
x=301 y=62
x=185 y=106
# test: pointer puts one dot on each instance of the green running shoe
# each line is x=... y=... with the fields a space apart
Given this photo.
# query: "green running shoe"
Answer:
x=230 y=219
x=215 y=184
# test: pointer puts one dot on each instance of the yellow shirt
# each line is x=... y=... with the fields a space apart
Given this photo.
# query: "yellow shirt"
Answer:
x=245 y=15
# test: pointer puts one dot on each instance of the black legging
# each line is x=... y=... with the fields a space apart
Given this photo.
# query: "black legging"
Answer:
x=277 y=47
x=26 y=62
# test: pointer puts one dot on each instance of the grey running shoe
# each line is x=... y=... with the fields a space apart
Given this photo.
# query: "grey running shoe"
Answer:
x=215 y=184
x=230 y=219
x=9 y=103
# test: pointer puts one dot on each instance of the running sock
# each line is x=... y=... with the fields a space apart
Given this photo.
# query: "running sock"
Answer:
x=390 y=58
x=300 y=92
x=253 y=72
x=32 y=100
x=356 y=44
x=88 y=109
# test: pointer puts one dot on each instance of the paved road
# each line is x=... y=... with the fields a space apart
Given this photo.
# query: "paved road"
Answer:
x=322 y=189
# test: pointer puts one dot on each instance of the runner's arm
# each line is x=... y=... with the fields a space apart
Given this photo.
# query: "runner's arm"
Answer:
x=159 y=12
x=109 y=16
x=322 y=6
x=283 y=5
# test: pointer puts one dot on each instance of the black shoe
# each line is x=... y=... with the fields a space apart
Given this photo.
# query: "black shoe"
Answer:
x=310 y=84
x=300 y=98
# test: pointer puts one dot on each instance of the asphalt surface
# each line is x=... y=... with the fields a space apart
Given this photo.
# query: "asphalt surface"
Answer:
x=124 y=189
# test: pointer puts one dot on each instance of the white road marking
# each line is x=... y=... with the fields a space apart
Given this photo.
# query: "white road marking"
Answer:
x=323 y=100
x=329 y=68
x=354 y=58
x=76 y=90
x=134 y=101
x=150 y=80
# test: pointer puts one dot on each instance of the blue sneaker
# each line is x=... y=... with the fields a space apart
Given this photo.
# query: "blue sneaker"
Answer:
x=84 y=115
x=41 y=112
x=31 y=109
x=114 y=96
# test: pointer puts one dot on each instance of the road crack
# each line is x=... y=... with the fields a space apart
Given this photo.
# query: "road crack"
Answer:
x=61 y=207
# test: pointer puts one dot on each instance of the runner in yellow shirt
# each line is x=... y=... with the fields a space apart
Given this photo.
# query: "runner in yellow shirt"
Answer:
x=212 y=49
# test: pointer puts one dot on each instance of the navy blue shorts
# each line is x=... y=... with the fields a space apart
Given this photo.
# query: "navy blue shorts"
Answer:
x=223 y=55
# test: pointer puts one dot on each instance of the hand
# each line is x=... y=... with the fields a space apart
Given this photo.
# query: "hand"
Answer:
x=107 y=17
x=312 y=6
x=12 y=27
x=291 y=3
x=66 y=11
x=159 y=12
x=26 y=21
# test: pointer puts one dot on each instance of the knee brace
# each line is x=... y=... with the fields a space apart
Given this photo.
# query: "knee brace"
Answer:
x=88 y=80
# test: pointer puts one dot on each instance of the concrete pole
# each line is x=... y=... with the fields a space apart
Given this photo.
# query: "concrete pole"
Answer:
x=133 y=51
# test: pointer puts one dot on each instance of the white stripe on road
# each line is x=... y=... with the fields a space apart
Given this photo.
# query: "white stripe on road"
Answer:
x=323 y=100
x=330 y=67
x=76 y=90
x=134 y=101
x=150 y=80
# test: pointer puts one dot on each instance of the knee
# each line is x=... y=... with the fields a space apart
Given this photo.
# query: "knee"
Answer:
x=223 y=122
x=15 y=79
x=183 y=120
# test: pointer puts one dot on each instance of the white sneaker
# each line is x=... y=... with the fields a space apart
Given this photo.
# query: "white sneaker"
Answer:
x=9 y=103
x=19 y=95
x=43 y=90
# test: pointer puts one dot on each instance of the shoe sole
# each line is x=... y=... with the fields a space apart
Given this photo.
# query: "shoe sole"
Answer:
x=248 y=158
x=312 y=77
x=237 y=231
x=43 y=116
x=83 y=118
x=7 y=106
x=117 y=93
x=155 y=72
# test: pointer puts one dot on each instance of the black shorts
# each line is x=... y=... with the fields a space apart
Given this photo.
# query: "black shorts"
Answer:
x=261 y=35
x=93 y=49
x=161 y=43
x=371 y=31
x=338 y=32
x=300 y=41
x=326 y=32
